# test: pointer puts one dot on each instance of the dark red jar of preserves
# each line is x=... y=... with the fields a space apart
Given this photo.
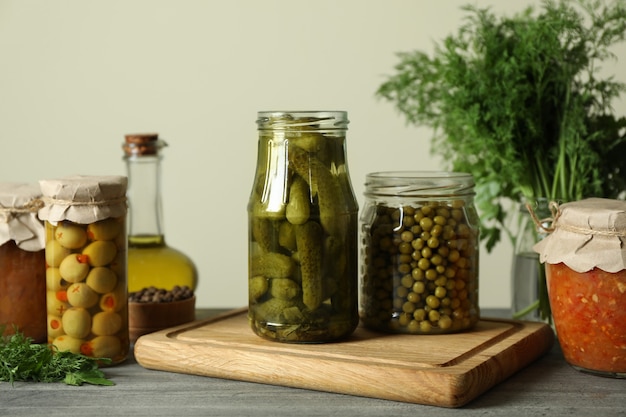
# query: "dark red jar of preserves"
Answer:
x=585 y=261
x=22 y=261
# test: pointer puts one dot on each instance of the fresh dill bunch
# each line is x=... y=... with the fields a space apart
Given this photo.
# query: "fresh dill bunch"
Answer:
x=23 y=360
x=517 y=101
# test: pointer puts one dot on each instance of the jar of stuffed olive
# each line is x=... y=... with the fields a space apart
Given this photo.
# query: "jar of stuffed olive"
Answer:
x=419 y=253
x=86 y=258
x=303 y=230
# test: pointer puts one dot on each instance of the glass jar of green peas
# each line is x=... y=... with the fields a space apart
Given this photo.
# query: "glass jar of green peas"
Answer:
x=419 y=253
x=303 y=230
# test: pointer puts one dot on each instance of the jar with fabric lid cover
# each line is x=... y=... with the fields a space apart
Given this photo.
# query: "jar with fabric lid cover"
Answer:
x=419 y=252
x=86 y=258
x=22 y=261
x=585 y=262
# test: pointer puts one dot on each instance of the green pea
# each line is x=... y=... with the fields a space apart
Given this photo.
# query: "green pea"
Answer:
x=432 y=301
x=440 y=292
x=419 y=287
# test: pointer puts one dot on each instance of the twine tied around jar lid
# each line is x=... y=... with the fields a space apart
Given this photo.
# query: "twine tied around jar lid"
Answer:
x=32 y=206
x=584 y=234
x=83 y=199
x=49 y=200
x=19 y=206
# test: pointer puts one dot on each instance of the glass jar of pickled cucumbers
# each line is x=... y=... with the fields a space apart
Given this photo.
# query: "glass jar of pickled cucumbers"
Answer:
x=303 y=230
x=86 y=252
x=22 y=262
x=419 y=253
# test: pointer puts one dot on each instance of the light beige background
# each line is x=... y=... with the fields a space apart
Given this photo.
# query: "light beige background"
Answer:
x=76 y=75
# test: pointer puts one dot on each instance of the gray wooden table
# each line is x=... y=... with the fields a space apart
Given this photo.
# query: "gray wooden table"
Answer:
x=548 y=387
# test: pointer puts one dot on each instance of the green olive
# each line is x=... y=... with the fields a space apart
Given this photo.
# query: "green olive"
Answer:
x=55 y=253
x=106 y=323
x=70 y=235
x=100 y=252
x=67 y=343
x=114 y=300
x=55 y=326
x=101 y=279
x=107 y=229
x=54 y=280
x=104 y=347
x=74 y=267
x=55 y=305
x=80 y=294
x=76 y=322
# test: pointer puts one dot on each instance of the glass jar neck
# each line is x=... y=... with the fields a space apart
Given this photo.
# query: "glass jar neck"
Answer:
x=144 y=199
x=319 y=121
x=421 y=184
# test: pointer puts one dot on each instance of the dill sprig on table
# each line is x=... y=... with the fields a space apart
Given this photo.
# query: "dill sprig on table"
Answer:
x=23 y=360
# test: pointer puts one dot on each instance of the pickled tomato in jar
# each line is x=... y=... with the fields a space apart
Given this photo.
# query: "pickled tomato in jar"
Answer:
x=589 y=311
x=584 y=257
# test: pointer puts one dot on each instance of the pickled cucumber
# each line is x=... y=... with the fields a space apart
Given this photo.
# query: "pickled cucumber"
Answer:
x=257 y=287
x=262 y=232
x=284 y=289
x=272 y=265
x=309 y=242
x=287 y=236
x=324 y=185
x=299 y=206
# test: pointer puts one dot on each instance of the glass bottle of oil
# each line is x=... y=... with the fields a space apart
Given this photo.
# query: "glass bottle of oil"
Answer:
x=151 y=261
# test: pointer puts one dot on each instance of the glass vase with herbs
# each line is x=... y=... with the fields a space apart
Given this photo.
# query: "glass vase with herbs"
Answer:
x=519 y=102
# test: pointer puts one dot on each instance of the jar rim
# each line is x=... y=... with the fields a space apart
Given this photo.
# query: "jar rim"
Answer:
x=419 y=183
x=408 y=174
x=315 y=119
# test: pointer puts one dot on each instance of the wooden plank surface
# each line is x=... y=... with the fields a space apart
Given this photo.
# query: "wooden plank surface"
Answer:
x=442 y=370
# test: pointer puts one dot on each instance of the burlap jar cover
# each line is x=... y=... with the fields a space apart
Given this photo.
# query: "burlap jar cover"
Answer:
x=586 y=234
x=83 y=199
x=19 y=203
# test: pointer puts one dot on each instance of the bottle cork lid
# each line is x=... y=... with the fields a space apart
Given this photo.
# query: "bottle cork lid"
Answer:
x=140 y=144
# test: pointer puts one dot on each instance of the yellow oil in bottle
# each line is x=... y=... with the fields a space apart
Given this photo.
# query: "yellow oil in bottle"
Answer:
x=152 y=263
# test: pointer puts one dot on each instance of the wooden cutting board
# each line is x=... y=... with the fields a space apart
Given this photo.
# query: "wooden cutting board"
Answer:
x=442 y=370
